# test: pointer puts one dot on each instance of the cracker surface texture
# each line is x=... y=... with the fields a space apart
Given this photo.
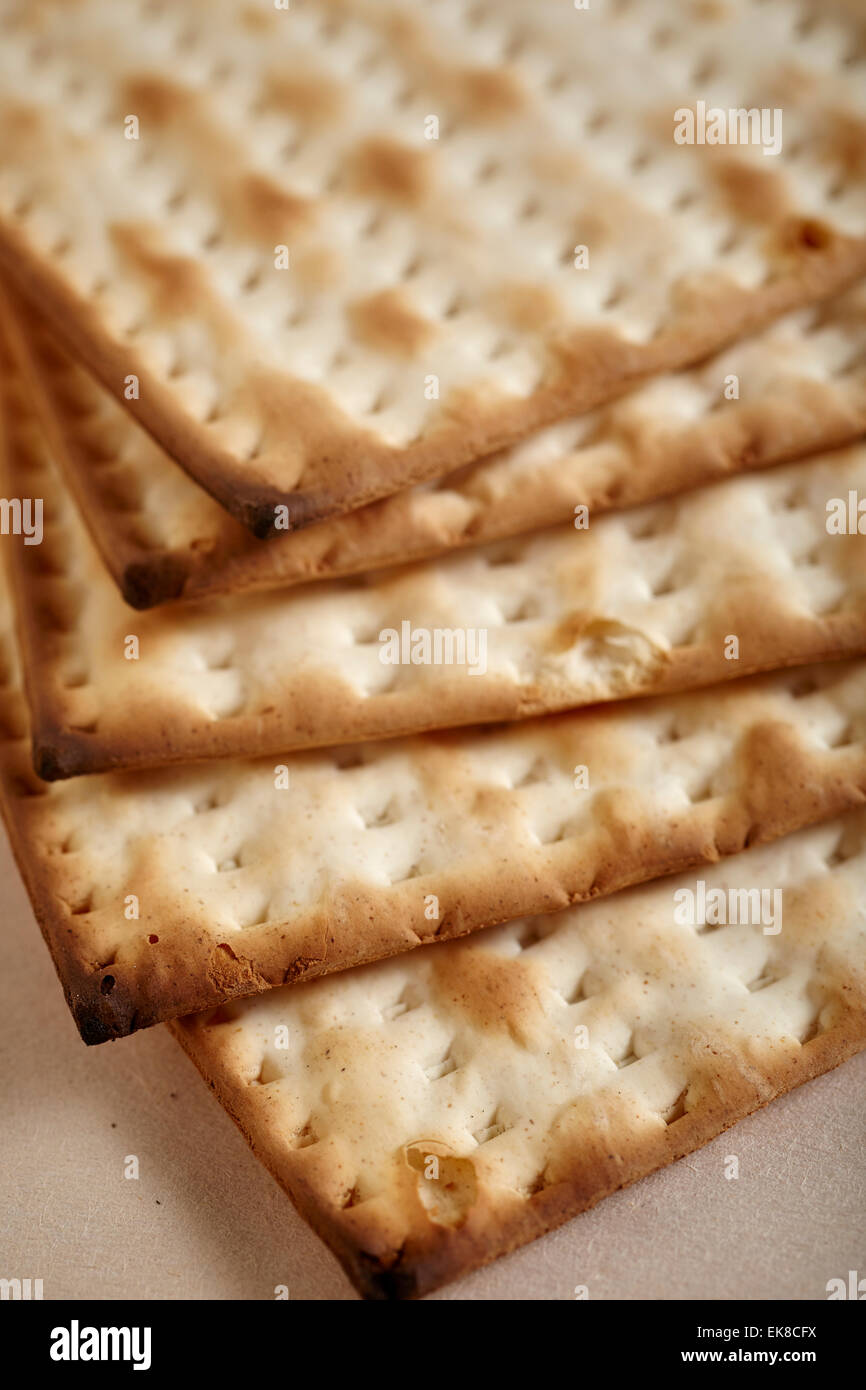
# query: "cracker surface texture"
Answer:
x=795 y=389
x=728 y=580
x=430 y=1113
x=331 y=251
x=165 y=892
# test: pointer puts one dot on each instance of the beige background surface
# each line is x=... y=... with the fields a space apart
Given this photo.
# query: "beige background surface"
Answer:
x=206 y=1221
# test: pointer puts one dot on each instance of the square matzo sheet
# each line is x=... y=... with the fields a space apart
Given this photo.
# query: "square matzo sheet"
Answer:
x=797 y=388
x=429 y=1113
x=159 y=162
x=731 y=579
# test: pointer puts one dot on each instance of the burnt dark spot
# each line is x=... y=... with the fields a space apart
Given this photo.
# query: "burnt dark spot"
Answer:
x=812 y=235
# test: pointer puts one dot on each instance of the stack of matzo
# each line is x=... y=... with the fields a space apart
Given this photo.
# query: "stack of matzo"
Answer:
x=296 y=301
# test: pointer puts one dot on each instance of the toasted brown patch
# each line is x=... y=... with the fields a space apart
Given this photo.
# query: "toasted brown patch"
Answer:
x=385 y=169
x=178 y=283
x=313 y=98
x=22 y=122
x=256 y=20
x=261 y=208
x=499 y=994
x=711 y=10
x=388 y=322
x=488 y=95
x=752 y=192
x=526 y=307
x=155 y=100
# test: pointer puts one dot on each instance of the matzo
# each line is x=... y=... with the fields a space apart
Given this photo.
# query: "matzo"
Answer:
x=796 y=389
x=312 y=304
x=429 y=1113
x=165 y=892
x=731 y=579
